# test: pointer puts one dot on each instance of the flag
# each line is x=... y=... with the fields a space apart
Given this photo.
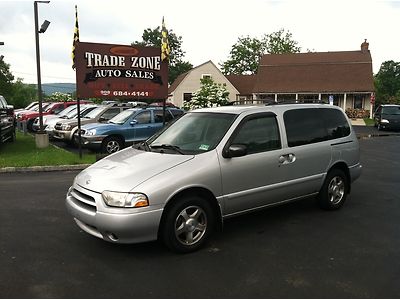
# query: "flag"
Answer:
x=76 y=37
x=165 y=50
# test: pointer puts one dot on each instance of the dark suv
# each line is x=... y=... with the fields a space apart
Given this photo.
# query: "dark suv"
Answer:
x=387 y=116
x=7 y=121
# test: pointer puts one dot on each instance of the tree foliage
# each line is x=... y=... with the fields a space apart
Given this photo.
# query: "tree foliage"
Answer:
x=210 y=94
x=245 y=55
x=281 y=42
x=387 y=83
x=6 y=79
x=176 y=65
x=23 y=94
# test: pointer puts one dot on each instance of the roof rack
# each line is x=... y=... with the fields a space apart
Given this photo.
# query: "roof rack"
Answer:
x=273 y=102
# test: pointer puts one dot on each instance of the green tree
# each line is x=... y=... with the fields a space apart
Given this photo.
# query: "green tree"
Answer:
x=245 y=55
x=281 y=42
x=387 y=83
x=22 y=94
x=176 y=65
x=6 y=79
x=210 y=94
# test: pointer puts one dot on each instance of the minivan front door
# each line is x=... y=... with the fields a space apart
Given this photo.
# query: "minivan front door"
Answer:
x=253 y=180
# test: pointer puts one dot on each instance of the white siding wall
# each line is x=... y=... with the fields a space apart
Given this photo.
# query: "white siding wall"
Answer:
x=191 y=83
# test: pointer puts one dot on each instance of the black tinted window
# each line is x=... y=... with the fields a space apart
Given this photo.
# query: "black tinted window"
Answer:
x=313 y=125
x=259 y=134
x=158 y=116
x=110 y=113
x=335 y=122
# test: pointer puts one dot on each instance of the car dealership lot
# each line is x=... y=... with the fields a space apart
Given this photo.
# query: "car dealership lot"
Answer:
x=291 y=251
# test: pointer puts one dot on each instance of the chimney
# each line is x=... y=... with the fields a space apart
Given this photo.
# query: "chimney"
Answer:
x=364 y=46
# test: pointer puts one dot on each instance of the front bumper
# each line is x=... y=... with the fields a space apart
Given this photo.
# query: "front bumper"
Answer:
x=63 y=135
x=118 y=225
x=91 y=142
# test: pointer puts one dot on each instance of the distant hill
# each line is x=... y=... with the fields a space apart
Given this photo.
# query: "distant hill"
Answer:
x=50 y=88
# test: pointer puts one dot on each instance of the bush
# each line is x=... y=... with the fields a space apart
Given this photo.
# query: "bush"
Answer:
x=357 y=113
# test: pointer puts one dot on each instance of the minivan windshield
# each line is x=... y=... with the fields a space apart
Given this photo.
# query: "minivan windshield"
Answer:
x=391 y=110
x=194 y=133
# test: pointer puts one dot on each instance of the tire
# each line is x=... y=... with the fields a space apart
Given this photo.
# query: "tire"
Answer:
x=112 y=144
x=334 y=190
x=188 y=224
x=29 y=125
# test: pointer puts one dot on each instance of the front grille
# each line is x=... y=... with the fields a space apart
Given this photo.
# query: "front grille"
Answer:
x=83 y=200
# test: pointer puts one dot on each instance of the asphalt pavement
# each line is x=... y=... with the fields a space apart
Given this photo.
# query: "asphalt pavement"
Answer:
x=291 y=251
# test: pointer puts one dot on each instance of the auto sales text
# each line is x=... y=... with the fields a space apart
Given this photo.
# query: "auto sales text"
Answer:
x=97 y=60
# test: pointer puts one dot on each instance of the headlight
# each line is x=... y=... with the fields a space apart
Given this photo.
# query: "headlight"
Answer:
x=385 y=121
x=90 y=132
x=125 y=199
x=66 y=127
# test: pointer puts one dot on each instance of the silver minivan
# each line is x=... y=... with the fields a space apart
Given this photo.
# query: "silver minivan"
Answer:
x=211 y=164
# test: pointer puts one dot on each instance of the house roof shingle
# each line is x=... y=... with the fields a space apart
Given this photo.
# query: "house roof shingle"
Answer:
x=243 y=83
x=346 y=71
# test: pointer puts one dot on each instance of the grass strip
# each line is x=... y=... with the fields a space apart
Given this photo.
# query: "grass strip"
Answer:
x=23 y=153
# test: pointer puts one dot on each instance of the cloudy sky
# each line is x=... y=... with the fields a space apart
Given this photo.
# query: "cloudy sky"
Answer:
x=208 y=28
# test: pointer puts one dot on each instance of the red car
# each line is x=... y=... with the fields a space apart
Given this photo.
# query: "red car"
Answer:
x=53 y=108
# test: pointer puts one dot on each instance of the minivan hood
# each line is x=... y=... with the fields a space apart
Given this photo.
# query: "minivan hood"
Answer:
x=126 y=169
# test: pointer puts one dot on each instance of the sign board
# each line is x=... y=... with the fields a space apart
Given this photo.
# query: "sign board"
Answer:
x=120 y=71
x=331 y=99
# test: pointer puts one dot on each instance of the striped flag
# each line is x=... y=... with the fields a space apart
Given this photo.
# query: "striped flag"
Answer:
x=76 y=37
x=165 y=50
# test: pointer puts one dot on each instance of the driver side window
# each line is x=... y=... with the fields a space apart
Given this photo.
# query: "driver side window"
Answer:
x=259 y=134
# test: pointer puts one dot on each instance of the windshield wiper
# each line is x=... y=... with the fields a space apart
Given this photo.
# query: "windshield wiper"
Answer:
x=169 y=147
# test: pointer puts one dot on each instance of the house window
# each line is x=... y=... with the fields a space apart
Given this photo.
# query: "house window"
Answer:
x=206 y=76
x=358 y=102
x=187 y=96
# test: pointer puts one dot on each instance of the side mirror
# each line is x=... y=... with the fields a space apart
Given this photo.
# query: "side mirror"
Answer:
x=235 y=150
x=102 y=119
x=10 y=110
x=133 y=122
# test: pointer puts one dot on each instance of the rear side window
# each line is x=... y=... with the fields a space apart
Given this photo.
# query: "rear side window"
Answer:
x=313 y=125
x=159 y=116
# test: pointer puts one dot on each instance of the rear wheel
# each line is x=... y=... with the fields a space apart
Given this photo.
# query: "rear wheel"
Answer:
x=188 y=224
x=334 y=190
x=112 y=144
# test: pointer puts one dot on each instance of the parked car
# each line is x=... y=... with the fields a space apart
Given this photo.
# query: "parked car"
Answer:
x=47 y=118
x=53 y=108
x=30 y=106
x=387 y=116
x=7 y=121
x=216 y=163
x=132 y=125
x=72 y=115
x=65 y=129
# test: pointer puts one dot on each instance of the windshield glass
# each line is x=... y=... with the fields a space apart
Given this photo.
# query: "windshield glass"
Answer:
x=391 y=110
x=122 y=117
x=94 y=113
x=72 y=113
x=66 y=111
x=194 y=132
x=50 y=107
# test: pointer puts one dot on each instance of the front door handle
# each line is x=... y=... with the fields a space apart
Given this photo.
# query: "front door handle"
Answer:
x=287 y=159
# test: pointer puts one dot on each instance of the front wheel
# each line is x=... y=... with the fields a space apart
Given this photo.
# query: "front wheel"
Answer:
x=111 y=144
x=334 y=190
x=188 y=224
